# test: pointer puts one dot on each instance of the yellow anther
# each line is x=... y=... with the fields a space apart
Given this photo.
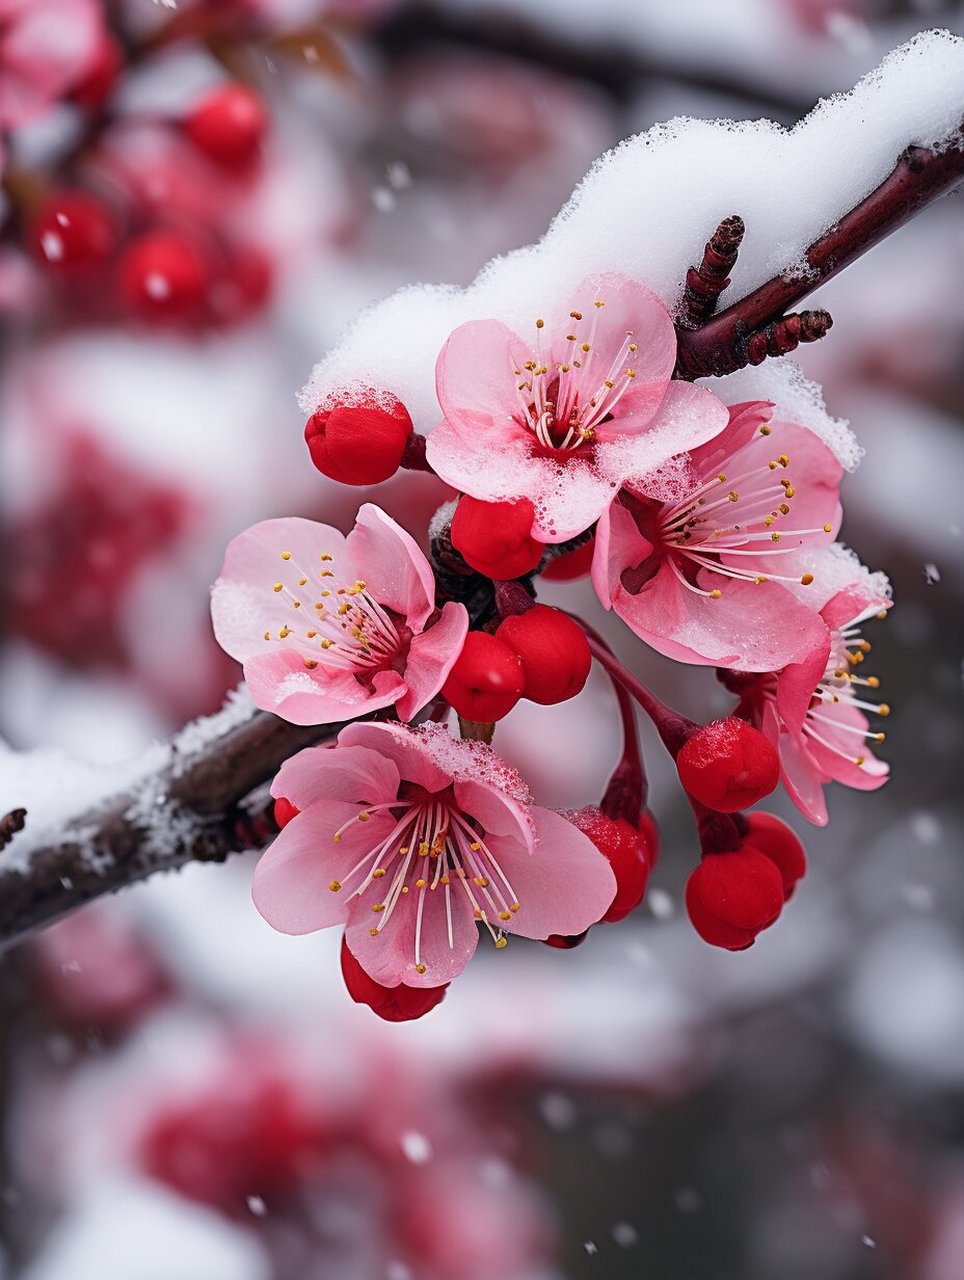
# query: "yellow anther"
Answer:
x=480 y=881
x=783 y=460
x=343 y=609
x=883 y=709
x=420 y=883
x=772 y=466
x=501 y=942
x=587 y=347
x=505 y=915
x=807 y=579
x=296 y=604
x=378 y=873
x=774 y=537
x=765 y=430
x=420 y=968
x=564 y=368
x=882 y=615
x=325 y=556
x=423 y=849
x=630 y=373
x=445 y=880
x=721 y=476
x=733 y=496
x=278 y=586
x=302 y=582
x=379 y=906
x=880 y=737
x=540 y=324
x=475 y=846
x=337 y=837
x=633 y=346
x=784 y=508
x=858 y=760
x=873 y=682
x=334 y=885
x=310 y=664
x=599 y=304
x=760 y=579
x=327 y=644
x=267 y=635
x=768 y=520
x=286 y=555
x=364 y=816
x=311 y=634
x=716 y=594
x=514 y=906
x=284 y=633
x=828 y=528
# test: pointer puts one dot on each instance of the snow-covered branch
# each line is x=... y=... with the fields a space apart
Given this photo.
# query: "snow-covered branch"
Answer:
x=198 y=798
x=758 y=325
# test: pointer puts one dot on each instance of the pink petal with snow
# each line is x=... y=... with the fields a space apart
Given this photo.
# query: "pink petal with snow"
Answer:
x=798 y=772
x=403 y=748
x=280 y=682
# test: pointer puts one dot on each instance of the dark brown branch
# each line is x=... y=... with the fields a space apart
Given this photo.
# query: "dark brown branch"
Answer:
x=200 y=808
x=725 y=342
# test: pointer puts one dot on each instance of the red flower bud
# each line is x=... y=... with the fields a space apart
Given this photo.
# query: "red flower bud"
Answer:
x=554 y=652
x=728 y=765
x=731 y=897
x=72 y=231
x=359 y=444
x=284 y=811
x=165 y=275
x=574 y=564
x=228 y=125
x=487 y=680
x=495 y=538
x=394 y=1004
x=650 y=835
x=563 y=943
x=772 y=836
x=627 y=852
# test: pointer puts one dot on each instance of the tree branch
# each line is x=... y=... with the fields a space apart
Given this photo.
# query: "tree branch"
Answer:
x=758 y=325
x=199 y=807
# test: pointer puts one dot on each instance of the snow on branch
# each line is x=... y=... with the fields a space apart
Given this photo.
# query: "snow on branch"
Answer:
x=89 y=831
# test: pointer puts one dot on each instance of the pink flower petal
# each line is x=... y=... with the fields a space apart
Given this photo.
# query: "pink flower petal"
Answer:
x=321 y=775
x=389 y=957
x=403 y=748
x=392 y=564
x=431 y=657
x=476 y=372
x=744 y=421
x=797 y=682
x=244 y=604
x=833 y=722
x=798 y=773
x=497 y=812
x=281 y=683
x=687 y=416
x=484 y=457
x=564 y=886
x=290 y=887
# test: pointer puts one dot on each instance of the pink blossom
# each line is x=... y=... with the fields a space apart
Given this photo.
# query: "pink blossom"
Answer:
x=408 y=837
x=702 y=578
x=328 y=627
x=566 y=417
x=813 y=710
x=47 y=47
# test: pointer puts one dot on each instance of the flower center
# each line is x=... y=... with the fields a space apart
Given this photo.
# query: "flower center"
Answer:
x=432 y=848
x=562 y=403
x=344 y=628
x=741 y=512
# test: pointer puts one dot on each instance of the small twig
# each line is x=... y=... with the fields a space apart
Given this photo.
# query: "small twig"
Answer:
x=705 y=283
x=10 y=824
x=758 y=325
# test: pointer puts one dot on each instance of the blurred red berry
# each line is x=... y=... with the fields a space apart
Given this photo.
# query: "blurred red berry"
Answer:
x=733 y=896
x=98 y=82
x=394 y=1004
x=495 y=538
x=487 y=680
x=554 y=652
x=359 y=444
x=728 y=765
x=165 y=275
x=72 y=231
x=228 y=125
x=772 y=836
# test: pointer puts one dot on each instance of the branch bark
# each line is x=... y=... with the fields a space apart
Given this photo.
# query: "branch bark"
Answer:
x=724 y=343
x=200 y=808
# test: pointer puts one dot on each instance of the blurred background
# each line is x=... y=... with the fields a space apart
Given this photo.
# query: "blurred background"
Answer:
x=188 y=1096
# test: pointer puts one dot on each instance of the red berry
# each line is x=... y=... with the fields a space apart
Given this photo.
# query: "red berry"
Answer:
x=228 y=125
x=574 y=564
x=627 y=852
x=72 y=231
x=165 y=275
x=649 y=832
x=728 y=765
x=394 y=1004
x=554 y=652
x=731 y=897
x=563 y=943
x=495 y=538
x=487 y=680
x=284 y=811
x=95 y=88
x=359 y=444
x=772 y=836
